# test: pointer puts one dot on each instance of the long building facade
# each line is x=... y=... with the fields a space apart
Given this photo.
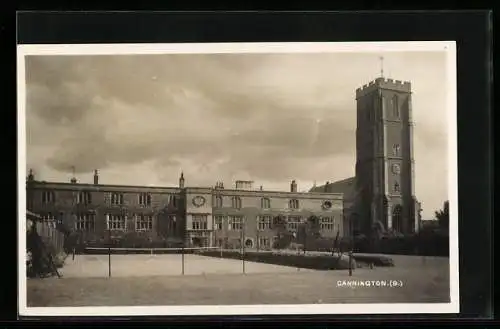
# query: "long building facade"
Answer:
x=382 y=192
x=201 y=216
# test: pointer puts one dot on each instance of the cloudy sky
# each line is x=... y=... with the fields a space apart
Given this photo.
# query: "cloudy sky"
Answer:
x=271 y=118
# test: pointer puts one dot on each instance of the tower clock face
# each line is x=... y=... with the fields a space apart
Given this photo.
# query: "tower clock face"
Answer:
x=396 y=169
x=198 y=201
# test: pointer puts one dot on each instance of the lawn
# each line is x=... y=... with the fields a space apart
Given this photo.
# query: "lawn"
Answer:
x=424 y=281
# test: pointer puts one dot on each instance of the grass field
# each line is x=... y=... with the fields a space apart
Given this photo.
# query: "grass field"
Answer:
x=155 y=280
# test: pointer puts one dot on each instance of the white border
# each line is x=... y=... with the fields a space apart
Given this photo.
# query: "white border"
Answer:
x=124 y=49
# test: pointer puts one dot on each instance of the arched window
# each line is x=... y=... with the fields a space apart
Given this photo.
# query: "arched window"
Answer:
x=236 y=202
x=218 y=201
x=293 y=204
x=397 y=218
x=265 y=203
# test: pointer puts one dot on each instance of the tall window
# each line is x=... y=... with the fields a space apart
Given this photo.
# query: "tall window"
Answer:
x=145 y=199
x=396 y=187
x=218 y=201
x=85 y=222
x=235 y=223
x=116 y=198
x=293 y=222
x=236 y=202
x=172 y=200
x=199 y=222
x=395 y=149
x=264 y=223
x=49 y=219
x=293 y=204
x=84 y=197
x=395 y=106
x=171 y=223
x=48 y=197
x=264 y=242
x=218 y=222
x=265 y=203
x=117 y=222
x=327 y=223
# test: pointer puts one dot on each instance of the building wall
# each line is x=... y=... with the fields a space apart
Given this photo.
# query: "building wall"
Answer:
x=190 y=203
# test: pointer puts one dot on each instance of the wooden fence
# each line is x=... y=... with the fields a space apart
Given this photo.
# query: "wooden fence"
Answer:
x=51 y=235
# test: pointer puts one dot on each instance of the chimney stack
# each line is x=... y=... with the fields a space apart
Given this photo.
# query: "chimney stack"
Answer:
x=181 y=180
x=96 y=177
x=293 y=186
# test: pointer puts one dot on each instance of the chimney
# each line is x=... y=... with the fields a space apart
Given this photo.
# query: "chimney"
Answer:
x=96 y=177
x=73 y=180
x=293 y=186
x=181 y=180
x=31 y=176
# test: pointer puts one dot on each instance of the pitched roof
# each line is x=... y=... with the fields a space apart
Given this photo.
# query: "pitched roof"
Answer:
x=345 y=186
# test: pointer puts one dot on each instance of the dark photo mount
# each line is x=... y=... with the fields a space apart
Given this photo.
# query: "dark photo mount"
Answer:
x=471 y=30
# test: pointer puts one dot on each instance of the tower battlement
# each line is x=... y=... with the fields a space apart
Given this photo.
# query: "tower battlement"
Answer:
x=383 y=83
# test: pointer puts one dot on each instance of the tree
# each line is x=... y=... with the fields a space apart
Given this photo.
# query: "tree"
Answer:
x=443 y=216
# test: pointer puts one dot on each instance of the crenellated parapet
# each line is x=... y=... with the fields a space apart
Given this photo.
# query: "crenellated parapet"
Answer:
x=383 y=83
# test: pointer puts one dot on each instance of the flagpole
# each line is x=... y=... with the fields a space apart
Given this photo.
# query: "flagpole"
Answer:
x=109 y=245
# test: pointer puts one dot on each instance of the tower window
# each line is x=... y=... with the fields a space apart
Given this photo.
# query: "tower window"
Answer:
x=396 y=187
x=395 y=106
x=395 y=149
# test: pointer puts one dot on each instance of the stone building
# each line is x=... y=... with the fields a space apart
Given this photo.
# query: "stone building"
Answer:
x=382 y=192
x=206 y=216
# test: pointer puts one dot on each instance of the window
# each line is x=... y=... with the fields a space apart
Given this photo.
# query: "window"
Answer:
x=48 y=197
x=395 y=149
x=218 y=201
x=395 y=107
x=293 y=222
x=294 y=204
x=264 y=242
x=396 y=187
x=117 y=222
x=49 y=219
x=85 y=222
x=327 y=223
x=143 y=222
x=171 y=223
x=199 y=222
x=265 y=203
x=236 y=202
x=235 y=223
x=264 y=223
x=172 y=201
x=116 y=198
x=144 y=199
x=218 y=220
x=84 y=198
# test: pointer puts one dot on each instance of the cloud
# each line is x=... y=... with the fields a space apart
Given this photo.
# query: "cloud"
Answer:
x=266 y=117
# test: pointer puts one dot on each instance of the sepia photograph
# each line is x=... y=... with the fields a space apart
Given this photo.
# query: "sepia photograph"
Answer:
x=265 y=178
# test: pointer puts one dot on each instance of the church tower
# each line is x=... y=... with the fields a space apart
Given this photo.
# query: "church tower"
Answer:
x=384 y=157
